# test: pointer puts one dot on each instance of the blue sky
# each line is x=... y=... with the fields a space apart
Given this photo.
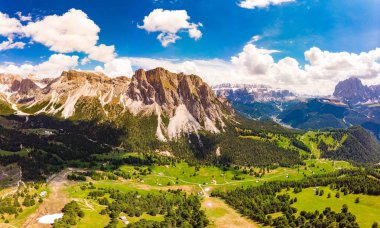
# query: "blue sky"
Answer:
x=290 y=28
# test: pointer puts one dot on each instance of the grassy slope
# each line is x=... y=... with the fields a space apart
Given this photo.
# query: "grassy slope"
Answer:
x=366 y=211
x=311 y=139
x=5 y=109
x=24 y=152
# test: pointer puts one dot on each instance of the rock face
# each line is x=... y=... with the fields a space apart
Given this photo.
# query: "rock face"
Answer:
x=170 y=90
x=185 y=101
x=24 y=86
x=352 y=91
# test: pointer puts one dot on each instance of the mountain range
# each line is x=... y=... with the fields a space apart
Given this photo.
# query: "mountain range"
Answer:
x=80 y=114
x=182 y=104
x=352 y=103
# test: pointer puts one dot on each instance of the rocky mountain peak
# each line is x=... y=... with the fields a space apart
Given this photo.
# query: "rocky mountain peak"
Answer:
x=352 y=91
x=170 y=90
x=24 y=86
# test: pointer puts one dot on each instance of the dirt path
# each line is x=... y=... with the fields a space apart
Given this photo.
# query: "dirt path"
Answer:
x=223 y=216
x=53 y=204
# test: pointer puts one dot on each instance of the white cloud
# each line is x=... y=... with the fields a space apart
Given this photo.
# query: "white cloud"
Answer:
x=55 y=65
x=71 y=32
x=194 y=32
x=257 y=66
x=337 y=65
x=48 y=69
x=255 y=39
x=319 y=77
x=84 y=61
x=102 y=53
x=251 y=4
x=254 y=60
x=9 y=26
x=9 y=44
x=116 y=67
x=23 y=70
x=23 y=17
x=167 y=38
x=169 y=23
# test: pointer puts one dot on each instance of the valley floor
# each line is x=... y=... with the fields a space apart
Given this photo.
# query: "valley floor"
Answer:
x=62 y=191
x=193 y=180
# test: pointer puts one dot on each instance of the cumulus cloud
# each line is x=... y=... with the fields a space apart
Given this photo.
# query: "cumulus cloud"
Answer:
x=168 y=23
x=116 y=67
x=53 y=67
x=252 y=4
x=9 y=26
x=319 y=76
x=102 y=53
x=9 y=44
x=255 y=65
x=71 y=32
x=254 y=60
x=337 y=65
x=23 y=17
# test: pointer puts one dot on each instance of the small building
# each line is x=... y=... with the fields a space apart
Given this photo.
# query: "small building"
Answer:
x=43 y=194
x=213 y=181
x=124 y=220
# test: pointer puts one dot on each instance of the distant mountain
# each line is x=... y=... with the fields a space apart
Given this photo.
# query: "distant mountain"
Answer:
x=257 y=101
x=352 y=104
x=246 y=93
x=353 y=92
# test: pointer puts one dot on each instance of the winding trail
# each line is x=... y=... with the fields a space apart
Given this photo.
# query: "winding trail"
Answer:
x=53 y=204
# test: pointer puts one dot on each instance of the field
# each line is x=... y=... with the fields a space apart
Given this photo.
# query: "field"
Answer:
x=366 y=211
x=215 y=177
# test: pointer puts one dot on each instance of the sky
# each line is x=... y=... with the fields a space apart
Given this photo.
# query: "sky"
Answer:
x=306 y=46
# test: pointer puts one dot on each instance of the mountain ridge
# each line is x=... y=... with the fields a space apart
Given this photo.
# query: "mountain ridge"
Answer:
x=188 y=103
